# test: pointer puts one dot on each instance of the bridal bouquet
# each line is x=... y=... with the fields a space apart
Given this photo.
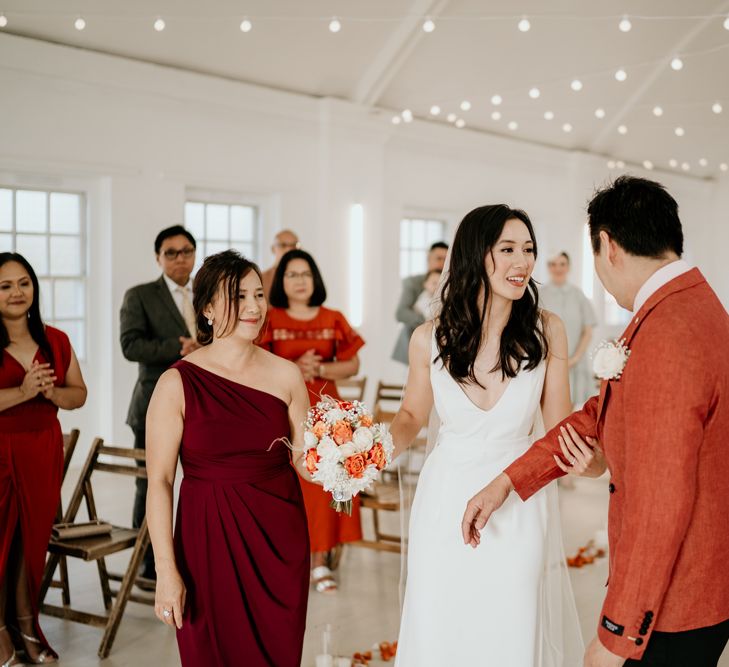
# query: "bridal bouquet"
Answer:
x=345 y=449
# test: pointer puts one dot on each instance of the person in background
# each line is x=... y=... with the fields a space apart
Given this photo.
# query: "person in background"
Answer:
x=412 y=288
x=324 y=347
x=284 y=241
x=157 y=327
x=424 y=303
x=570 y=304
x=39 y=373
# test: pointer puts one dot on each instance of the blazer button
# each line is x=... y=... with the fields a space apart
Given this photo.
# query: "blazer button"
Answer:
x=638 y=642
x=611 y=488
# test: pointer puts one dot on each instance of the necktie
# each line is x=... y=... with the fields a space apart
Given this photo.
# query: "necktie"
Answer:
x=188 y=312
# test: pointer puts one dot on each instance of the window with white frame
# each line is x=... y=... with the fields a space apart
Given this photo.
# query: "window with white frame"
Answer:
x=416 y=237
x=48 y=228
x=219 y=226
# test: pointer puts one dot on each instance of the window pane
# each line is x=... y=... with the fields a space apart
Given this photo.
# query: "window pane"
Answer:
x=6 y=210
x=404 y=234
x=195 y=219
x=404 y=263
x=33 y=248
x=6 y=242
x=417 y=237
x=66 y=256
x=213 y=247
x=242 y=223
x=435 y=232
x=245 y=249
x=65 y=213
x=76 y=333
x=217 y=222
x=419 y=262
x=31 y=213
x=46 y=299
x=69 y=298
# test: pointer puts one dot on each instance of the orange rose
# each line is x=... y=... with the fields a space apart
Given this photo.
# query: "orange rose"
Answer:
x=319 y=430
x=366 y=421
x=312 y=459
x=376 y=455
x=342 y=432
x=355 y=465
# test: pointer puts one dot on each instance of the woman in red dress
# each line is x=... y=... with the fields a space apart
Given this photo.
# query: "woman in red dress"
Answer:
x=324 y=347
x=235 y=577
x=39 y=373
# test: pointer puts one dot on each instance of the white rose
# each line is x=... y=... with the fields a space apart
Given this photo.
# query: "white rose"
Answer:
x=609 y=361
x=310 y=439
x=328 y=449
x=362 y=439
x=347 y=449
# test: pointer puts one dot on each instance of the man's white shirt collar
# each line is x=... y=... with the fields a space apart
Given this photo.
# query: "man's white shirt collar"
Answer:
x=173 y=286
x=660 y=278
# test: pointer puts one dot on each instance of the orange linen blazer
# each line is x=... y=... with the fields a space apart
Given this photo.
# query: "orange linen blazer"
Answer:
x=664 y=427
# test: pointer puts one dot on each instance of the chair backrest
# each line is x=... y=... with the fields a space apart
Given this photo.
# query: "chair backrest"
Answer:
x=127 y=466
x=387 y=401
x=70 y=440
x=352 y=389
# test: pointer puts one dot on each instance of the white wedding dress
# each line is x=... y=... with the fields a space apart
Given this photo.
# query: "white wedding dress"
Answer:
x=507 y=603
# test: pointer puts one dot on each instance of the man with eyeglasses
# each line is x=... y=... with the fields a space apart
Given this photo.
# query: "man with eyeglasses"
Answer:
x=284 y=241
x=157 y=327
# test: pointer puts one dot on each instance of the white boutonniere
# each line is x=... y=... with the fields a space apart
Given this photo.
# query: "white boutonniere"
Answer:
x=609 y=359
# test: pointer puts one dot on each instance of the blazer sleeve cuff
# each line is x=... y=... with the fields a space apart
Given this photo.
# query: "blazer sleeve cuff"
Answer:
x=628 y=645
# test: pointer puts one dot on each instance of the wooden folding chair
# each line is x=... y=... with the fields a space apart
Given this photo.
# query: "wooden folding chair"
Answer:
x=97 y=548
x=352 y=389
x=70 y=440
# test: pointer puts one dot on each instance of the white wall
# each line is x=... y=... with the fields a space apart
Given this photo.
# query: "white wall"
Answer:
x=136 y=136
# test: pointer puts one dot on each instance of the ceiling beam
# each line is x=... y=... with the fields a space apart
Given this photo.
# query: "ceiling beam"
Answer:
x=395 y=52
x=600 y=143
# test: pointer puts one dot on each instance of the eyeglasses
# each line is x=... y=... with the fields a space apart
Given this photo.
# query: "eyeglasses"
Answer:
x=174 y=254
x=293 y=275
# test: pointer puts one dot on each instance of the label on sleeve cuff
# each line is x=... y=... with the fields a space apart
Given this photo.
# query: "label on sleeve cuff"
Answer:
x=610 y=626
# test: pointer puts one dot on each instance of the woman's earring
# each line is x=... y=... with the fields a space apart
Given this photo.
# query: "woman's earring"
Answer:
x=210 y=321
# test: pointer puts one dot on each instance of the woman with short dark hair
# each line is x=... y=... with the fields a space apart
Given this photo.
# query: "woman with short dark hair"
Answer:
x=324 y=347
x=39 y=373
x=234 y=579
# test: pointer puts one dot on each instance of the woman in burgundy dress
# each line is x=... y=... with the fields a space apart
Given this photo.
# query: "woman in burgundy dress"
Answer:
x=324 y=347
x=234 y=580
x=39 y=373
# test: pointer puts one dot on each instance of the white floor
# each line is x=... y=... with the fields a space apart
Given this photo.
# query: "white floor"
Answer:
x=363 y=613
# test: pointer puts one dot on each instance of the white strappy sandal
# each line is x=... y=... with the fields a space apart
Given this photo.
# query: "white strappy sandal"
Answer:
x=323 y=580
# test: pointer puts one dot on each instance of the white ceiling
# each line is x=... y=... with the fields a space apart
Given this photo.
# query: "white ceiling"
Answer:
x=382 y=57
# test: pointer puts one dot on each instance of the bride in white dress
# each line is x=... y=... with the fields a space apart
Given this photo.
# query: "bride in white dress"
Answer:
x=495 y=368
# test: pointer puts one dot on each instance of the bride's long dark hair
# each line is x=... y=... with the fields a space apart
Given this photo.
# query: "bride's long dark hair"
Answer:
x=459 y=329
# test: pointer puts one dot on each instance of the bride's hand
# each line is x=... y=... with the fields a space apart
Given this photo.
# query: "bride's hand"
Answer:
x=482 y=506
x=582 y=459
x=169 y=598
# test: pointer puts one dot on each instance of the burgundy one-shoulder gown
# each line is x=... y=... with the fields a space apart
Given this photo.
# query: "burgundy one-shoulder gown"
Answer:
x=241 y=537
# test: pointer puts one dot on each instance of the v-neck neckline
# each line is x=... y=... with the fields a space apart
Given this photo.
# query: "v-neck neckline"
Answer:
x=18 y=362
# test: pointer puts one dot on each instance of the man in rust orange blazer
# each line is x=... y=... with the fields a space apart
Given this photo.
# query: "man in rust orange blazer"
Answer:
x=662 y=418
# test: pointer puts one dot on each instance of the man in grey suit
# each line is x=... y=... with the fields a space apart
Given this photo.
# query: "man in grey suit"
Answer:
x=157 y=327
x=411 y=289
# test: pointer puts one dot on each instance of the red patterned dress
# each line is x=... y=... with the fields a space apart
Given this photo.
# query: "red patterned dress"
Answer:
x=331 y=337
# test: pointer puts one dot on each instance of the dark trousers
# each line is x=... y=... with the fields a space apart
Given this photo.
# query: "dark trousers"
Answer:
x=140 y=506
x=693 y=648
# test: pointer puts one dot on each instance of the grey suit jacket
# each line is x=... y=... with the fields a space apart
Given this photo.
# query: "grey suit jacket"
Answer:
x=411 y=319
x=149 y=331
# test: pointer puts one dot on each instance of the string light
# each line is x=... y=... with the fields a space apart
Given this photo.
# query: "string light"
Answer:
x=434 y=110
x=576 y=85
x=673 y=163
x=648 y=164
x=246 y=25
x=534 y=93
x=724 y=166
x=600 y=113
x=460 y=123
x=679 y=131
x=549 y=115
x=495 y=115
x=677 y=64
x=79 y=23
x=567 y=127
x=524 y=25
x=625 y=25
x=620 y=164
x=513 y=125
x=465 y=105
x=685 y=166
x=716 y=107
x=396 y=120
x=335 y=25
x=428 y=25
x=451 y=118
x=703 y=162
x=159 y=25
x=657 y=111
x=622 y=129
x=3 y=20
x=611 y=164
x=407 y=115
x=496 y=100
x=726 y=23
x=621 y=75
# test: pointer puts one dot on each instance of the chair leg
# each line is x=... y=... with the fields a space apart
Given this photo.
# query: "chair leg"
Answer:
x=125 y=590
x=65 y=588
x=104 y=581
x=48 y=576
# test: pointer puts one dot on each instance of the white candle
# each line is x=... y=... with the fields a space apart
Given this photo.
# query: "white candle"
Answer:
x=324 y=661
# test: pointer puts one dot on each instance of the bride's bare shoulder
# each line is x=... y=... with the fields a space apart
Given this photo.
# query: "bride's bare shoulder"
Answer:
x=420 y=343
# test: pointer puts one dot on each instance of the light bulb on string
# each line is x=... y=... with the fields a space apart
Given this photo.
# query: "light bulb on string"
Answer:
x=717 y=108
x=495 y=115
x=724 y=166
x=679 y=132
x=611 y=164
x=567 y=127
x=335 y=25
x=159 y=24
x=513 y=125
x=677 y=64
x=576 y=85
x=673 y=163
x=246 y=25
x=622 y=129
x=549 y=115
x=451 y=117
x=657 y=111
x=396 y=120
x=460 y=123
x=600 y=113
x=407 y=115
x=647 y=164
x=465 y=105
x=434 y=110
x=3 y=20
x=524 y=25
x=621 y=75
x=496 y=100
x=726 y=23
x=79 y=23
x=428 y=25
x=620 y=164
x=625 y=25
x=685 y=166
x=534 y=93
x=703 y=162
